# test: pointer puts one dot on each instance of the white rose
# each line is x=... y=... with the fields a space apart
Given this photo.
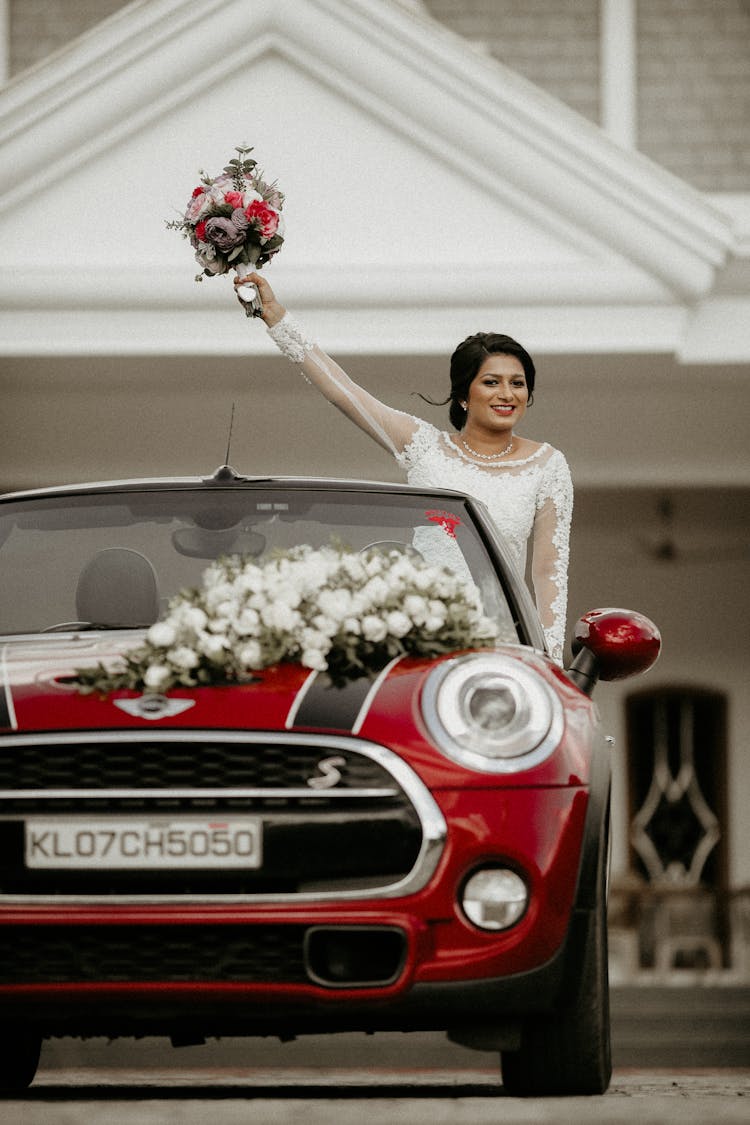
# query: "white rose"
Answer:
x=398 y=623
x=194 y=618
x=335 y=603
x=247 y=622
x=376 y=590
x=312 y=638
x=213 y=646
x=325 y=624
x=229 y=609
x=220 y=625
x=374 y=628
x=218 y=593
x=373 y=561
x=249 y=580
x=288 y=594
x=280 y=616
x=314 y=658
x=161 y=635
x=157 y=676
x=250 y=655
x=316 y=571
x=353 y=567
x=213 y=574
x=416 y=606
x=359 y=604
x=183 y=657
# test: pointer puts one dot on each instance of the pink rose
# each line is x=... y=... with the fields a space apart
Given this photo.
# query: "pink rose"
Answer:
x=220 y=185
x=233 y=198
x=198 y=204
x=263 y=218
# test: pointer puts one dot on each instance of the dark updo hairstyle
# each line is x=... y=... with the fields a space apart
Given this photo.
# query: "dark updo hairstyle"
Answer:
x=469 y=357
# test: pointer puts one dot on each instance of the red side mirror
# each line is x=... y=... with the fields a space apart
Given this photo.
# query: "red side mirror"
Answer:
x=622 y=642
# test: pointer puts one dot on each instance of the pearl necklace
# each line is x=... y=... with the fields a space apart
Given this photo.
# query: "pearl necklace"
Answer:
x=487 y=456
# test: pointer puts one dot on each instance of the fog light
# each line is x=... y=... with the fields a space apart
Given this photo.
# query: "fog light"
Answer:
x=494 y=898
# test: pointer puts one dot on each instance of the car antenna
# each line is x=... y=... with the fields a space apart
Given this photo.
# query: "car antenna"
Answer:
x=225 y=472
x=229 y=439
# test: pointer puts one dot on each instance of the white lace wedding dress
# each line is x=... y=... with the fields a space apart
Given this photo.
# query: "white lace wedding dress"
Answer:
x=527 y=498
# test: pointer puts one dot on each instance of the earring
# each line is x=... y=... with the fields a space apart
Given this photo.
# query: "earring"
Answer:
x=463 y=405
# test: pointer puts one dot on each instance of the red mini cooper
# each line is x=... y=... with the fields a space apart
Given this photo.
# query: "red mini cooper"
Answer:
x=424 y=847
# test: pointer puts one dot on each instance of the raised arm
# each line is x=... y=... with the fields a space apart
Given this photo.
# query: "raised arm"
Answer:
x=390 y=428
x=551 y=539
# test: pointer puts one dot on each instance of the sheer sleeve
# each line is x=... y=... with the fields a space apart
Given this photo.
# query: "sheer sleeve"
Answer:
x=551 y=538
x=393 y=429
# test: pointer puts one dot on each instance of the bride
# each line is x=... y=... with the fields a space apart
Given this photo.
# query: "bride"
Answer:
x=526 y=485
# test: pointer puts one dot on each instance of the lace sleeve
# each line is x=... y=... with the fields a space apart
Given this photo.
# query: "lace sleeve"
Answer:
x=551 y=537
x=392 y=429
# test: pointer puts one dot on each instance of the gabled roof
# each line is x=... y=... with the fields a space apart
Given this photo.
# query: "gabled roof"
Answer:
x=430 y=190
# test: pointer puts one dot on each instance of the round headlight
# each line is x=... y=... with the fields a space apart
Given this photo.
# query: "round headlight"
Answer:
x=494 y=898
x=492 y=713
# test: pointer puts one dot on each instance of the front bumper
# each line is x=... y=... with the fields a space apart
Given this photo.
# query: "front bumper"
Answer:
x=139 y=968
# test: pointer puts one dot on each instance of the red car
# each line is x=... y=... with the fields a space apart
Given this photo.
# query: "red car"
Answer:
x=422 y=848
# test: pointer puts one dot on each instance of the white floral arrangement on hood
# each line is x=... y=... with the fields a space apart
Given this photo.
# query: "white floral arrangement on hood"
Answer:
x=329 y=609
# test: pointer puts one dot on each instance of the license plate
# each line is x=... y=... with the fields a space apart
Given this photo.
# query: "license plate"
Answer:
x=144 y=844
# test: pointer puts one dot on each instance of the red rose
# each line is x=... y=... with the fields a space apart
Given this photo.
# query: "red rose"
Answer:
x=200 y=230
x=233 y=198
x=198 y=191
x=263 y=217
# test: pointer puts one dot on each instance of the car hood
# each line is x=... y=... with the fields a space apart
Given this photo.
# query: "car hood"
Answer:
x=38 y=692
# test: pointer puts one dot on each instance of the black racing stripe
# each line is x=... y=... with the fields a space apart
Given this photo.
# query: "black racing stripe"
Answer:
x=331 y=707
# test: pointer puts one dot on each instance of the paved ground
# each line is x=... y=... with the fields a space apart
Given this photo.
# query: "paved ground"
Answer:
x=682 y=1057
x=348 y=1097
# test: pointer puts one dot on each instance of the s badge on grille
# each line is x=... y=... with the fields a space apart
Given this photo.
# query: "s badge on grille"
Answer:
x=154 y=706
x=330 y=773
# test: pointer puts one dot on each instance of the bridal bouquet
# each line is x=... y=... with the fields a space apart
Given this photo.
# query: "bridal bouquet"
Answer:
x=329 y=609
x=234 y=221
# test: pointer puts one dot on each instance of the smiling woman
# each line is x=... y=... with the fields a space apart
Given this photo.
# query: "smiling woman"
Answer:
x=525 y=485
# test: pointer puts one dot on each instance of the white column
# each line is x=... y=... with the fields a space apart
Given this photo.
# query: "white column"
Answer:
x=618 y=66
x=4 y=41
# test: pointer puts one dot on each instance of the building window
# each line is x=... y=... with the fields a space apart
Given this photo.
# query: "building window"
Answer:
x=677 y=753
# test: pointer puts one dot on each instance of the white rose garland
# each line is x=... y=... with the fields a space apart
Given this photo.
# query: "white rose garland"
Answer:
x=329 y=609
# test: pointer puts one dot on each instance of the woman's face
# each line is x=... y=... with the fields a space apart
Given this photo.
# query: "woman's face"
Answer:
x=498 y=395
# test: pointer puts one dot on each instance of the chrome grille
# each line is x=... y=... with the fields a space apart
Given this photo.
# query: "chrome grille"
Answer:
x=375 y=832
x=174 y=763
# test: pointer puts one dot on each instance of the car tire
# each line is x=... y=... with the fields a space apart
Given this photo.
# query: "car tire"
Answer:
x=19 y=1058
x=568 y=1051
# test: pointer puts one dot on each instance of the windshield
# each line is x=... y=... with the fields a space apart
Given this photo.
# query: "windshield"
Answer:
x=113 y=560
